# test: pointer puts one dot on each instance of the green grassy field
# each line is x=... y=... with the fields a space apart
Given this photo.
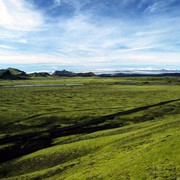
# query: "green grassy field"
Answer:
x=142 y=144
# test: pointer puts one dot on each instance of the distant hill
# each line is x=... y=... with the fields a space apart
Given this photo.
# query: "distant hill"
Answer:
x=72 y=74
x=17 y=72
x=88 y=74
x=64 y=73
x=8 y=75
x=39 y=74
x=138 y=75
x=12 y=73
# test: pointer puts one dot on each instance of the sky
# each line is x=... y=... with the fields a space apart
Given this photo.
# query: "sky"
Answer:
x=47 y=35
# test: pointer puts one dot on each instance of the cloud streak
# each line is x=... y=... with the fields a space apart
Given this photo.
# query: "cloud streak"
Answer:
x=72 y=32
x=18 y=15
x=6 y=47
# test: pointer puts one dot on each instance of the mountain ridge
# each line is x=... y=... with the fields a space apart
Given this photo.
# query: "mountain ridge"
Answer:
x=15 y=74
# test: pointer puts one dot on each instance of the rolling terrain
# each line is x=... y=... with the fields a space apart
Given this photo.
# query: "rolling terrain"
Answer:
x=107 y=128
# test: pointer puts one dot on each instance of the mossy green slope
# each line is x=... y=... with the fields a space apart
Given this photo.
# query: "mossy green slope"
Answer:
x=146 y=150
x=39 y=108
x=147 y=147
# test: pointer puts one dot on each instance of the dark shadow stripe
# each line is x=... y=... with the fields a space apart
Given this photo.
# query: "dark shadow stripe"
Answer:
x=31 y=142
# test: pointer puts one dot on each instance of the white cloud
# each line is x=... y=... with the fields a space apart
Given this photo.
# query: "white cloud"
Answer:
x=19 y=15
x=154 y=32
x=23 y=41
x=116 y=57
x=83 y=38
x=151 y=8
x=16 y=58
x=158 y=6
x=136 y=48
x=6 y=47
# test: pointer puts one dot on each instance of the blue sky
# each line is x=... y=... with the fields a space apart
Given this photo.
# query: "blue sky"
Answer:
x=47 y=35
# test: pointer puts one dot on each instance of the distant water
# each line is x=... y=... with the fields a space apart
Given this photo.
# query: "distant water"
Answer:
x=40 y=85
x=138 y=72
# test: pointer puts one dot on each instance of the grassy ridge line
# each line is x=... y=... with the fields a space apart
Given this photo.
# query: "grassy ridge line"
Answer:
x=112 y=116
x=41 y=140
x=91 y=80
x=79 y=125
x=19 y=104
x=73 y=159
x=25 y=119
x=42 y=114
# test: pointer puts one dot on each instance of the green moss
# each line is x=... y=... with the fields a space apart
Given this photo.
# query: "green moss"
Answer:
x=142 y=151
x=145 y=147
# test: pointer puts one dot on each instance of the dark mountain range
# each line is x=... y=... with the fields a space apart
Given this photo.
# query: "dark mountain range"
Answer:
x=138 y=75
x=17 y=72
x=72 y=74
x=64 y=73
x=7 y=74
x=39 y=74
x=12 y=73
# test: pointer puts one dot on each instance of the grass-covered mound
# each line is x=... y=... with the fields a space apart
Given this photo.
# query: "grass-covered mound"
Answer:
x=108 y=128
x=147 y=150
x=12 y=74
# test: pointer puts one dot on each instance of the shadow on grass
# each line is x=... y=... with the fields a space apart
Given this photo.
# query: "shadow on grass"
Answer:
x=31 y=142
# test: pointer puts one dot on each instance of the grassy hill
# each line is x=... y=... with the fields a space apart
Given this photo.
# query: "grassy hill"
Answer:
x=12 y=74
x=17 y=72
x=147 y=150
x=39 y=74
x=107 y=128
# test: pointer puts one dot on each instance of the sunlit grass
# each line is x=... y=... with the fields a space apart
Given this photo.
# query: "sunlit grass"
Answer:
x=141 y=145
x=140 y=151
